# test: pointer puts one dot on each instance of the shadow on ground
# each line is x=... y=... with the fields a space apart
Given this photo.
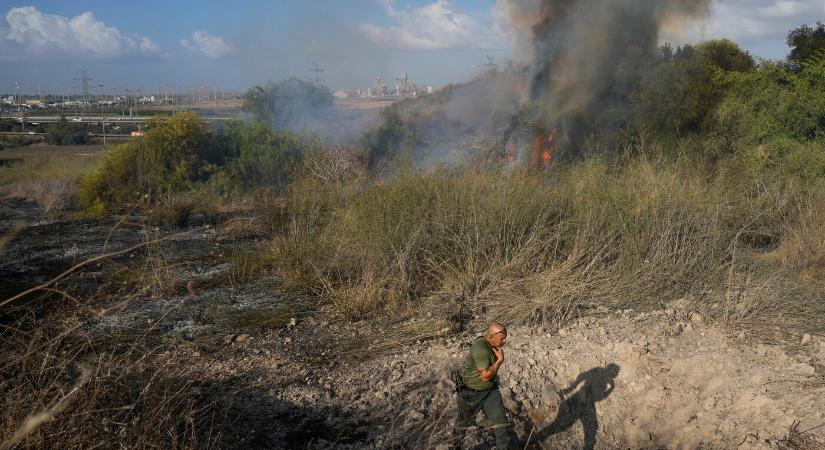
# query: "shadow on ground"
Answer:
x=254 y=418
x=579 y=405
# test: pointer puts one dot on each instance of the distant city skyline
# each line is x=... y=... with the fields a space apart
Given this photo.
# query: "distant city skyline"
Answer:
x=212 y=44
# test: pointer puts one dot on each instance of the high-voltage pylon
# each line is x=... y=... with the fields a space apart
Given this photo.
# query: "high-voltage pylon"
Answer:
x=84 y=81
x=317 y=80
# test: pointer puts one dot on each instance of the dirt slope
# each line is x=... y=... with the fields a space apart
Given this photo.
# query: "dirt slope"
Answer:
x=668 y=379
x=626 y=381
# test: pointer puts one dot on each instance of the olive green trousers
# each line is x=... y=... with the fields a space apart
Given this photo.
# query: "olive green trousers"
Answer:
x=470 y=402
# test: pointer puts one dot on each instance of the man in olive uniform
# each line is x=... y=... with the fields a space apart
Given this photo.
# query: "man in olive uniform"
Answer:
x=480 y=387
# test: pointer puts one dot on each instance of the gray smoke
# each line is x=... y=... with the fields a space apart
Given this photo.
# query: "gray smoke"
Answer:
x=564 y=89
x=577 y=46
x=469 y=114
x=579 y=43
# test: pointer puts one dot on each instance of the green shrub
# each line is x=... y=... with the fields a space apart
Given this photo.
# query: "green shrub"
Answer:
x=805 y=161
x=65 y=133
x=774 y=101
x=175 y=155
x=113 y=184
x=263 y=158
x=14 y=142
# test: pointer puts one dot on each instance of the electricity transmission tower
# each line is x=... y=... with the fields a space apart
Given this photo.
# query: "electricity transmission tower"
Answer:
x=20 y=101
x=84 y=80
x=317 y=80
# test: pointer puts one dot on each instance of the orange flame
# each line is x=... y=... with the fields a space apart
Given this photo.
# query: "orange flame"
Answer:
x=511 y=153
x=543 y=148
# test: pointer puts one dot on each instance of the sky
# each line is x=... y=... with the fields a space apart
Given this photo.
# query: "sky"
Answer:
x=177 y=45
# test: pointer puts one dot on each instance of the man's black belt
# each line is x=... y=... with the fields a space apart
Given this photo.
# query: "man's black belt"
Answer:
x=464 y=387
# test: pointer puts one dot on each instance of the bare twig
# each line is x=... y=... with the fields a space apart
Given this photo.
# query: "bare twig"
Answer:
x=34 y=422
x=87 y=262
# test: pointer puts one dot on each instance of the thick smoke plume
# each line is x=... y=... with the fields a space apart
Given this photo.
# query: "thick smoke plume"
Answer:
x=574 y=91
x=577 y=46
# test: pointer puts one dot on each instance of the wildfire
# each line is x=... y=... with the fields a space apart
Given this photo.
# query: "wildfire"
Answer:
x=543 y=148
x=511 y=153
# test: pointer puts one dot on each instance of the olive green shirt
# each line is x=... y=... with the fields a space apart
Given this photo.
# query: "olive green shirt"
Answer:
x=481 y=357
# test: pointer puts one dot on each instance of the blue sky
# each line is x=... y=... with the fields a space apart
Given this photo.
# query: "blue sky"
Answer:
x=231 y=45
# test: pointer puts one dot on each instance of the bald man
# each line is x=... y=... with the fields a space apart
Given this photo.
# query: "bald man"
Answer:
x=480 y=386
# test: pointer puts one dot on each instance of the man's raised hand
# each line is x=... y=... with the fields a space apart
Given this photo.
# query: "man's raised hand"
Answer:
x=499 y=355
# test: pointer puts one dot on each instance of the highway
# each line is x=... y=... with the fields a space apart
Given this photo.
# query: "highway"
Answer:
x=98 y=119
x=97 y=135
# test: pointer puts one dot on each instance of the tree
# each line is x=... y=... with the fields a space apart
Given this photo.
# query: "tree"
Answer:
x=726 y=55
x=175 y=154
x=681 y=89
x=805 y=41
x=287 y=102
x=264 y=157
x=65 y=133
x=387 y=139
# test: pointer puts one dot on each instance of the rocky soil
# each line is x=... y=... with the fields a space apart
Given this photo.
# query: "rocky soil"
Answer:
x=282 y=374
x=621 y=380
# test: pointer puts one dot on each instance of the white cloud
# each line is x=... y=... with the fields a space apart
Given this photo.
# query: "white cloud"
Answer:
x=761 y=25
x=435 y=26
x=211 y=46
x=81 y=35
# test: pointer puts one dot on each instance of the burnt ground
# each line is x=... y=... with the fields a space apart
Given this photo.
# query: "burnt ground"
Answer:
x=278 y=372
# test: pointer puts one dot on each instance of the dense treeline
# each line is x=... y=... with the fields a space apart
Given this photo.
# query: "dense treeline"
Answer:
x=712 y=99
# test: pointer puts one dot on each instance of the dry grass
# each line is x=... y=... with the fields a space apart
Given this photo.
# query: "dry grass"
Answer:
x=517 y=247
x=510 y=242
x=803 y=244
x=48 y=162
x=46 y=174
x=247 y=267
x=63 y=385
x=67 y=393
x=797 y=439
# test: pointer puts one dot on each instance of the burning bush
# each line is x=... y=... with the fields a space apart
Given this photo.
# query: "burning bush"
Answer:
x=388 y=139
